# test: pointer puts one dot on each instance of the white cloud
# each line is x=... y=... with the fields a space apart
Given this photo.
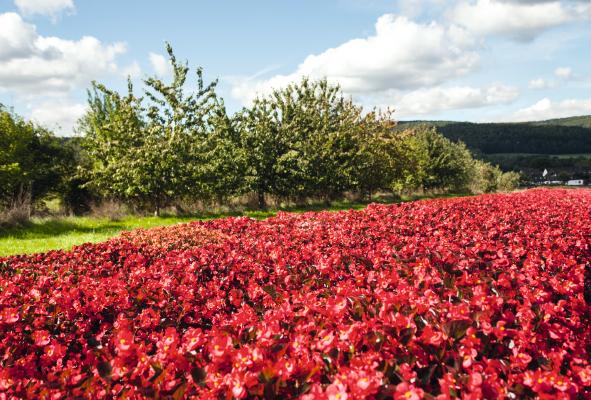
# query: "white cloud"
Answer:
x=35 y=66
x=403 y=55
x=521 y=20
x=160 y=64
x=542 y=84
x=546 y=109
x=61 y=113
x=567 y=73
x=434 y=100
x=48 y=8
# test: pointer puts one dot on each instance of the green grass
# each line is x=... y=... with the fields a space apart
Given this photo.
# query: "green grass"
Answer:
x=40 y=235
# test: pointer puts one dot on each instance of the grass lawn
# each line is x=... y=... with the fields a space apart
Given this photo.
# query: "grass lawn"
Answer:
x=41 y=235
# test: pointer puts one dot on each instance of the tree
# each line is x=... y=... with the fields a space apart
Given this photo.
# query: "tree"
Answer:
x=15 y=159
x=442 y=163
x=298 y=142
x=563 y=177
x=383 y=155
x=155 y=154
x=31 y=156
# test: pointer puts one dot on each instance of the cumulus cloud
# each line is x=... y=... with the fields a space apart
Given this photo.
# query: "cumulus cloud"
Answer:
x=61 y=115
x=34 y=66
x=521 y=20
x=160 y=64
x=546 y=109
x=403 y=55
x=542 y=84
x=567 y=73
x=48 y=8
x=431 y=101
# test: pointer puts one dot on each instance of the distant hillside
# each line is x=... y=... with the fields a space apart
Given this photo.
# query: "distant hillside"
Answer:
x=583 y=121
x=557 y=136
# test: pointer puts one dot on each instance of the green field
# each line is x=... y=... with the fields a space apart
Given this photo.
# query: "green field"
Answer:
x=41 y=235
x=587 y=155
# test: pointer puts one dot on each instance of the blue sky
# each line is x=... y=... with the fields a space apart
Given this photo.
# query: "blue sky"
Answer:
x=466 y=60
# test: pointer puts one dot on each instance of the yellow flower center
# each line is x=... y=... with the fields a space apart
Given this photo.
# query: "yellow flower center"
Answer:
x=122 y=341
x=407 y=394
x=337 y=396
x=327 y=338
x=193 y=340
x=216 y=347
x=243 y=358
x=165 y=347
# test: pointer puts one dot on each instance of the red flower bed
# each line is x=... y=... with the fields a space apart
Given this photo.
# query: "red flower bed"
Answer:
x=478 y=297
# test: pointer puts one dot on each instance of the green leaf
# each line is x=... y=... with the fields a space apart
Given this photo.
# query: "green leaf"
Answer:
x=456 y=329
x=104 y=369
x=199 y=376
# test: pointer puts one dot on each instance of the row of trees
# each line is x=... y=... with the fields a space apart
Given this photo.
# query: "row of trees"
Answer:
x=303 y=141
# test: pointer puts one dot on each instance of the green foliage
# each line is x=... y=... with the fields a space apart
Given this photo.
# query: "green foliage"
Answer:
x=15 y=159
x=542 y=163
x=307 y=141
x=442 y=163
x=583 y=121
x=31 y=156
x=299 y=142
x=515 y=163
x=156 y=154
x=528 y=137
x=384 y=156
x=563 y=177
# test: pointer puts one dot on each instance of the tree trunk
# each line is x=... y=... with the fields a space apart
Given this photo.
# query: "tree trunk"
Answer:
x=157 y=207
x=262 y=200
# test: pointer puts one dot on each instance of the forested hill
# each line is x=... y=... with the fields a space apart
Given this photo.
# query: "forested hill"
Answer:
x=584 y=121
x=556 y=136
